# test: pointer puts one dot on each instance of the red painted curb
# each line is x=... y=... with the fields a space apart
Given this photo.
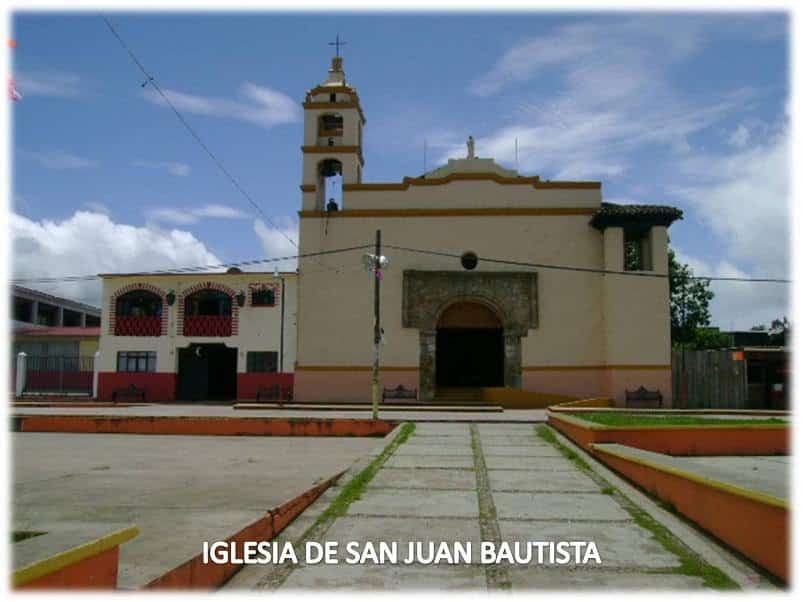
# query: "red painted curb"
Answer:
x=216 y=425
x=194 y=574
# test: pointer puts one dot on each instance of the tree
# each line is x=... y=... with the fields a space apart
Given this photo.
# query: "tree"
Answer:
x=779 y=331
x=688 y=306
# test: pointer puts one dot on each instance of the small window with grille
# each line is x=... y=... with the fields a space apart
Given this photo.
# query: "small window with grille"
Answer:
x=262 y=361
x=136 y=361
x=263 y=297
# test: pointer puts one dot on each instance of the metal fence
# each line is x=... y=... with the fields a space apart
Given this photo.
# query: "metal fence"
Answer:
x=58 y=374
x=708 y=379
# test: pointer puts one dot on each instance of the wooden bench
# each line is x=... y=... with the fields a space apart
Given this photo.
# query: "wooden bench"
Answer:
x=642 y=398
x=399 y=393
x=130 y=391
x=275 y=393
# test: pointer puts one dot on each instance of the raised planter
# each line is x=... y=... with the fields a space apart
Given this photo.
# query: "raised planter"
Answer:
x=755 y=524
x=678 y=440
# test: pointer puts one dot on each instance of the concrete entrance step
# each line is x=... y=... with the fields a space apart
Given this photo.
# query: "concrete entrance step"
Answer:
x=364 y=407
x=462 y=394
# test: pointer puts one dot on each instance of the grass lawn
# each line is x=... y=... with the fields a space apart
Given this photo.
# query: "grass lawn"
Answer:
x=617 y=419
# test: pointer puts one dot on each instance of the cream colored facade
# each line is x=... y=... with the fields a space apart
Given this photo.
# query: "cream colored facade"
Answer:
x=255 y=328
x=596 y=333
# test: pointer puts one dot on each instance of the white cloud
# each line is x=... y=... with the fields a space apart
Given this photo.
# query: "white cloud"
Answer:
x=91 y=243
x=60 y=84
x=172 y=167
x=257 y=104
x=744 y=199
x=58 y=159
x=220 y=211
x=739 y=137
x=173 y=216
x=193 y=215
x=275 y=242
x=614 y=95
x=645 y=41
x=739 y=305
x=98 y=208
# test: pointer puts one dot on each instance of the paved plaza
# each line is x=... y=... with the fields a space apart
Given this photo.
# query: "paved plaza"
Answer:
x=179 y=490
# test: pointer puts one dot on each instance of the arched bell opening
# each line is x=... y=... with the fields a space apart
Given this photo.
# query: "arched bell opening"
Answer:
x=330 y=185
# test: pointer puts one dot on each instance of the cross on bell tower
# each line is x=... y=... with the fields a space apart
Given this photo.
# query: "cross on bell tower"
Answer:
x=337 y=44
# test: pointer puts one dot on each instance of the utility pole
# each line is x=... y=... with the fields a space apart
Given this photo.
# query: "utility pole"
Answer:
x=377 y=329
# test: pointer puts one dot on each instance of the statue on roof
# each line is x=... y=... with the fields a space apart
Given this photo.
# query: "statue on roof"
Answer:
x=470 y=145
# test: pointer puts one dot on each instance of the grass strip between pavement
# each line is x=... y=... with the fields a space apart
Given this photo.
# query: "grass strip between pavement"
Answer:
x=350 y=493
x=617 y=419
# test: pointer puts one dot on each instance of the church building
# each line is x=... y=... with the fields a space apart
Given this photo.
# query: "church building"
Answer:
x=494 y=279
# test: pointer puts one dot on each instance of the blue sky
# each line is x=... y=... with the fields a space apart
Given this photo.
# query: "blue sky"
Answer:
x=688 y=110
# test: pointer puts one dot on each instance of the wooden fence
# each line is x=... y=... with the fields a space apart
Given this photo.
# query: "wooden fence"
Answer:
x=708 y=379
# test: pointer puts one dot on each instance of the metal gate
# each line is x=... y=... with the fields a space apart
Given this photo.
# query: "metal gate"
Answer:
x=59 y=374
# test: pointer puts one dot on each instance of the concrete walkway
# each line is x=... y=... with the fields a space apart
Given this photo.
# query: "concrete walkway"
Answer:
x=480 y=482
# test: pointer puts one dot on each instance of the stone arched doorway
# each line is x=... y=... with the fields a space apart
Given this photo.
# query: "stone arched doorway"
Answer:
x=510 y=297
x=469 y=347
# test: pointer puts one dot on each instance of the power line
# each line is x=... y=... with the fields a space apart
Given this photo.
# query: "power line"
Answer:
x=190 y=270
x=150 y=80
x=567 y=268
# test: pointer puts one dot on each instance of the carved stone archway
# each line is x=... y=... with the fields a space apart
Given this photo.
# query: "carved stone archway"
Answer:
x=512 y=296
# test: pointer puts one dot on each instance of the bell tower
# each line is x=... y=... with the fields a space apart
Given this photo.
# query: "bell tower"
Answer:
x=332 y=150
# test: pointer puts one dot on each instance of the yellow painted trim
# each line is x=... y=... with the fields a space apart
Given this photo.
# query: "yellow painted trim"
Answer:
x=334 y=150
x=330 y=149
x=355 y=368
x=599 y=367
x=533 y=181
x=596 y=426
x=312 y=104
x=341 y=88
x=762 y=498
x=475 y=212
x=46 y=566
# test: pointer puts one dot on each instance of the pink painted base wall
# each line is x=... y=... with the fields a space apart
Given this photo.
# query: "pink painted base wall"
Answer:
x=355 y=385
x=621 y=380
x=347 y=385
x=577 y=383
x=597 y=382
